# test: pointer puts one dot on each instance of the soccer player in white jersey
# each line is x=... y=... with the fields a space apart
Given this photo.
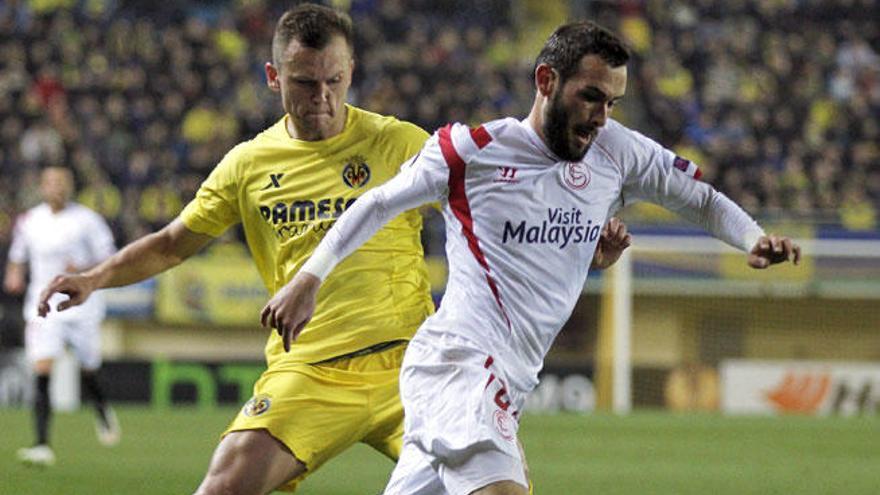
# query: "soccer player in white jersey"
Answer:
x=60 y=236
x=524 y=204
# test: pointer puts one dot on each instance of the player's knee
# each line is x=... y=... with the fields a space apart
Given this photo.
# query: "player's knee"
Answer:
x=232 y=478
x=220 y=484
x=43 y=366
x=250 y=462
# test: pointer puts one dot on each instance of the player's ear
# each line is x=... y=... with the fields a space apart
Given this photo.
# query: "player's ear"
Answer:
x=272 y=77
x=546 y=79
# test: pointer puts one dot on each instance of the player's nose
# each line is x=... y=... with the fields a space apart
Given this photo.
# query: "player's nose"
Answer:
x=322 y=94
x=599 y=115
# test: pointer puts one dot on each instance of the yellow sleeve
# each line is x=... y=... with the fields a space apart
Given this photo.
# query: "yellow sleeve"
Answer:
x=405 y=139
x=408 y=139
x=215 y=207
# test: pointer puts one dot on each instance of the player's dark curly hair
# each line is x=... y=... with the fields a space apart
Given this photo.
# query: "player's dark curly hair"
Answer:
x=312 y=25
x=571 y=42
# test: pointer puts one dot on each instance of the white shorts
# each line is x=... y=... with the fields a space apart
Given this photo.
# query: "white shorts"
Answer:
x=460 y=423
x=46 y=338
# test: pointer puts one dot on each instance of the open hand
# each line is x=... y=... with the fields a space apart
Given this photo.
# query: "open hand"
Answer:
x=613 y=240
x=291 y=307
x=773 y=249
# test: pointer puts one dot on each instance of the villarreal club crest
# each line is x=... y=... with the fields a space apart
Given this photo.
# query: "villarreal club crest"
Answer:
x=257 y=405
x=356 y=173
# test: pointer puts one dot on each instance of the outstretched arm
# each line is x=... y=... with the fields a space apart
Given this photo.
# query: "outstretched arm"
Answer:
x=140 y=260
x=768 y=249
x=659 y=176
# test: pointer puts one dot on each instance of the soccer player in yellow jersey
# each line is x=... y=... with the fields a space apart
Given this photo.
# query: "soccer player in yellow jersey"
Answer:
x=339 y=385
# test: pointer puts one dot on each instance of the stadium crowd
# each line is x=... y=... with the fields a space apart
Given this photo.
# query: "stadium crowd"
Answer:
x=779 y=101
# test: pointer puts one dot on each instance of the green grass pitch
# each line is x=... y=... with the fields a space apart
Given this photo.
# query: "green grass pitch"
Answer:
x=166 y=452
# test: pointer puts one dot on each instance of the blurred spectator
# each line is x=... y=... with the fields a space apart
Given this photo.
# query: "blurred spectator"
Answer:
x=42 y=145
x=781 y=98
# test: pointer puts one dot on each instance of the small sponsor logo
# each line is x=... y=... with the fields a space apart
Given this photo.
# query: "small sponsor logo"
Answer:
x=504 y=424
x=356 y=173
x=801 y=394
x=257 y=405
x=274 y=182
x=685 y=166
x=681 y=164
x=577 y=175
x=507 y=175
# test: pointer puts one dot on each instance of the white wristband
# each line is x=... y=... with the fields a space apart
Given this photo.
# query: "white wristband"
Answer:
x=320 y=264
x=751 y=238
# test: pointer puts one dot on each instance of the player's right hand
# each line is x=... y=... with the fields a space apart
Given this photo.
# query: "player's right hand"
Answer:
x=76 y=287
x=773 y=249
x=292 y=307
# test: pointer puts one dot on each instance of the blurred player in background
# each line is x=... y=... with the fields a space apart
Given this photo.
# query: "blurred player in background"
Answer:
x=524 y=202
x=60 y=236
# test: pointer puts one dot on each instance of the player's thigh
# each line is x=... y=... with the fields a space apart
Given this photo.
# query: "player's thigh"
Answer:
x=414 y=475
x=461 y=413
x=386 y=409
x=502 y=488
x=43 y=340
x=485 y=471
x=84 y=338
x=249 y=462
x=389 y=438
x=310 y=411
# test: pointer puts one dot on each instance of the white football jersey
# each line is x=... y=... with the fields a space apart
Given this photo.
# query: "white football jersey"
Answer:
x=50 y=243
x=522 y=227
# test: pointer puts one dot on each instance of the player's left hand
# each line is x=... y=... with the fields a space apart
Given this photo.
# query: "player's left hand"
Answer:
x=613 y=240
x=773 y=249
x=291 y=307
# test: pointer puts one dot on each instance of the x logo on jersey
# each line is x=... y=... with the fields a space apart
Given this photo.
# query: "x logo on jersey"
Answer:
x=275 y=181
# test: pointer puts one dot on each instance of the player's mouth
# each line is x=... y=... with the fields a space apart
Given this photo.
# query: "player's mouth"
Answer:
x=319 y=114
x=584 y=135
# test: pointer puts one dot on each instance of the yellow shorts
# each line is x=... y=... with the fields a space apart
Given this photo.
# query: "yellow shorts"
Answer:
x=319 y=410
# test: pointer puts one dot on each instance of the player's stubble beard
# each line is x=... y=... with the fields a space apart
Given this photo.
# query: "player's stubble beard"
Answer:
x=558 y=131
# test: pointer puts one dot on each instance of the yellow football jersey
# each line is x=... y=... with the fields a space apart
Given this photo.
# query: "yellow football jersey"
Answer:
x=287 y=193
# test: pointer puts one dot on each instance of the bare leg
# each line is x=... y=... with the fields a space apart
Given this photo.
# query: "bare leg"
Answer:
x=250 y=462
